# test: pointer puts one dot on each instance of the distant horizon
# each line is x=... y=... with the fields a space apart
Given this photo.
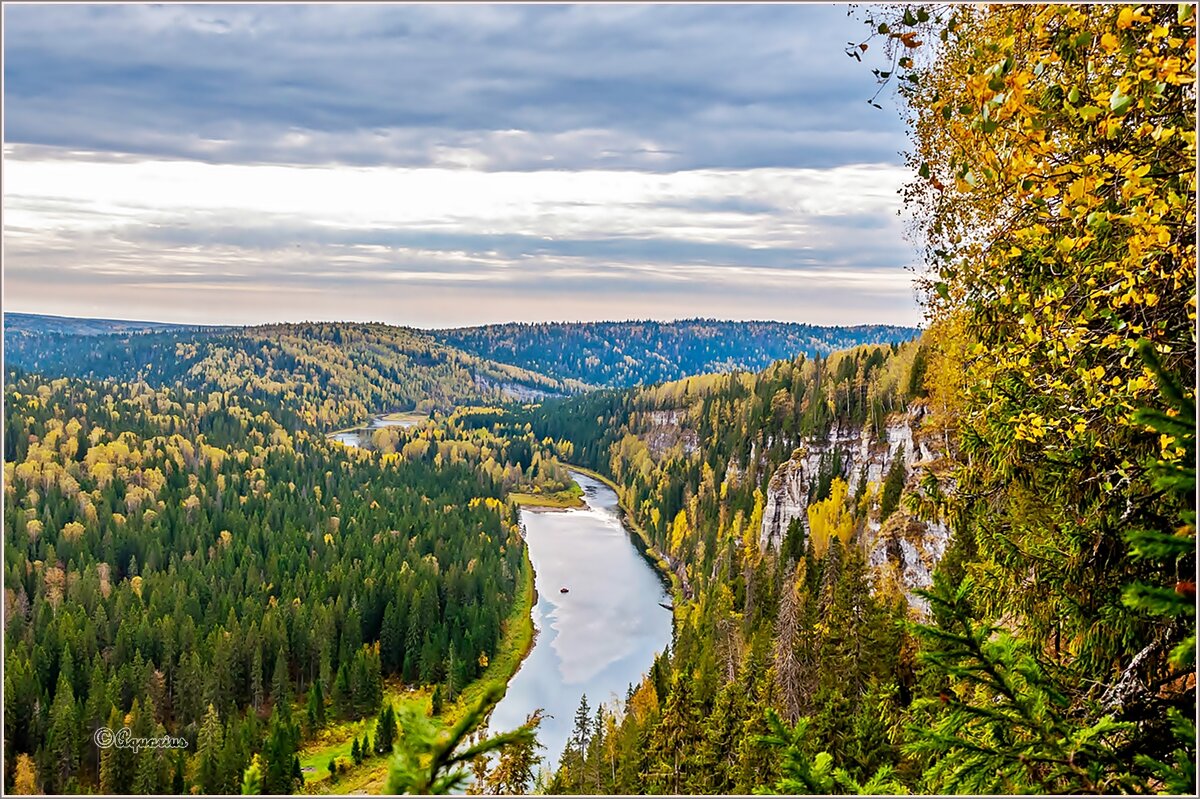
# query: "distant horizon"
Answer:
x=628 y=320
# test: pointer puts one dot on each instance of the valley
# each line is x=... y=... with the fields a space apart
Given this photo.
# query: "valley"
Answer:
x=699 y=556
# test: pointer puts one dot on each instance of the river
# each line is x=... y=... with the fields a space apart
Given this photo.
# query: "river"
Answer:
x=355 y=437
x=600 y=636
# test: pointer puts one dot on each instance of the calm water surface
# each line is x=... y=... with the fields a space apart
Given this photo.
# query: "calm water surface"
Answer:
x=600 y=636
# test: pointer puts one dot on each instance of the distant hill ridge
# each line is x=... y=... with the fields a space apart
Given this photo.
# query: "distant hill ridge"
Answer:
x=33 y=323
x=647 y=351
x=546 y=355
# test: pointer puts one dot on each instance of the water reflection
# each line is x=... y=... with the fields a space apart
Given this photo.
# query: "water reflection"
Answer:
x=600 y=636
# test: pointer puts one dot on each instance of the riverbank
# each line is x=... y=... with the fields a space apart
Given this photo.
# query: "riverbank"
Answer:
x=370 y=776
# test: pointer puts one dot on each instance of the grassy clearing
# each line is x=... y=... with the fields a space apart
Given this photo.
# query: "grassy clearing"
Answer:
x=409 y=417
x=336 y=740
x=568 y=498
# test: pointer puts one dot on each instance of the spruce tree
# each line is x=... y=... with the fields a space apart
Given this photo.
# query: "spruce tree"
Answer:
x=208 y=753
x=62 y=738
x=252 y=778
x=893 y=485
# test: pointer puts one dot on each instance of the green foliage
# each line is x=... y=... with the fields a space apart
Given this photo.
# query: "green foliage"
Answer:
x=807 y=775
x=252 y=778
x=430 y=756
x=1174 y=551
x=893 y=485
x=1006 y=722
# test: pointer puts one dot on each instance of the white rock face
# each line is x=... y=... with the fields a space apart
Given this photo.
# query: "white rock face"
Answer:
x=908 y=547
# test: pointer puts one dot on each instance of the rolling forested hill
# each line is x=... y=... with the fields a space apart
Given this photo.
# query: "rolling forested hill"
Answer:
x=323 y=374
x=645 y=352
x=575 y=354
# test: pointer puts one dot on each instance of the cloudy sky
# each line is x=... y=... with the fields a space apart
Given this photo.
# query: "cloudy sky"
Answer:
x=448 y=165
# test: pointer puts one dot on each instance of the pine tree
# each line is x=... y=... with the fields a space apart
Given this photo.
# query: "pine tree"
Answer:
x=189 y=691
x=112 y=776
x=256 y=677
x=316 y=707
x=178 y=781
x=252 y=778
x=391 y=640
x=278 y=754
x=281 y=683
x=893 y=485
x=208 y=753
x=515 y=770
x=385 y=730
x=343 y=700
x=675 y=738
x=62 y=739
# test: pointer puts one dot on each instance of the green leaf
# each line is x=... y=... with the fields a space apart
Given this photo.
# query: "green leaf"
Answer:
x=943 y=290
x=1119 y=102
x=924 y=170
x=1090 y=112
x=1073 y=95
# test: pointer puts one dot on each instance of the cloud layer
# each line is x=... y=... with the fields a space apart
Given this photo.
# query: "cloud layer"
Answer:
x=448 y=165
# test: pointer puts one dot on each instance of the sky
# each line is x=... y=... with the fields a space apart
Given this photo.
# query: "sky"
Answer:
x=445 y=165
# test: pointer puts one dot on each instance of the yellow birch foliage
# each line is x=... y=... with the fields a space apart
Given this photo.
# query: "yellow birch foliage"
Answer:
x=1055 y=152
x=830 y=517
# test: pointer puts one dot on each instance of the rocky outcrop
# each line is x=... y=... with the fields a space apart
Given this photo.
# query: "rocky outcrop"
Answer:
x=663 y=429
x=905 y=549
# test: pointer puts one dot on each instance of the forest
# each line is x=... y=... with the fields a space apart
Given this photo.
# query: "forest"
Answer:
x=959 y=560
x=327 y=375
x=614 y=354
x=182 y=563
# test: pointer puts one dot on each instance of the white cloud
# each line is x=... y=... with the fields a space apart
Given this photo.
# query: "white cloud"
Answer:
x=51 y=194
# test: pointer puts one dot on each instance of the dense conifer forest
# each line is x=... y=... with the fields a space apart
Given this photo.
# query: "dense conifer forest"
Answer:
x=182 y=562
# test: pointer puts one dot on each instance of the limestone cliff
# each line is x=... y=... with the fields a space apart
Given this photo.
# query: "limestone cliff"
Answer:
x=904 y=548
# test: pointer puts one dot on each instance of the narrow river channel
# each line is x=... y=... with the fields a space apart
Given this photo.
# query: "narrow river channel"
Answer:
x=598 y=637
